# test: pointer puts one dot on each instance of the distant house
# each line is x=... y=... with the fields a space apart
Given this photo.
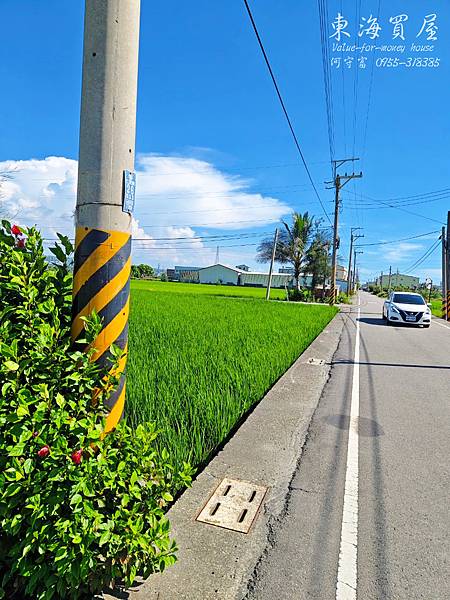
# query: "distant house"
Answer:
x=223 y=274
x=398 y=280
x=183 y=273
x=243 y=267
x=341 y=273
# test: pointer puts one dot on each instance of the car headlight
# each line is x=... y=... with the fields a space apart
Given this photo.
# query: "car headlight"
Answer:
x=395 y=309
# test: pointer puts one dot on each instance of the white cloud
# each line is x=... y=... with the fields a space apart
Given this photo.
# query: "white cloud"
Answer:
x=177 y=197
x=402 y=251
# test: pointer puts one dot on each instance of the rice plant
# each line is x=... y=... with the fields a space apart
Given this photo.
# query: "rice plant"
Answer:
x=198 y=362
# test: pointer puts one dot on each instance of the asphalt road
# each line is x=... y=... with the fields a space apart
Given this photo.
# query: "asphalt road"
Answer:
x=403 y=450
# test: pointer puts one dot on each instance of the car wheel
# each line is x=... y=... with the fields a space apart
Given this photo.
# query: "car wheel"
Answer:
x=426 y=326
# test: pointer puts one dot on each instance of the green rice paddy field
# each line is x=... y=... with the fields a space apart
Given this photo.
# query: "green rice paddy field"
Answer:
x=201 y=356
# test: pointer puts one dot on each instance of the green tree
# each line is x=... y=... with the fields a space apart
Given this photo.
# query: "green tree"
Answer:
x=142 y=271
x=293 y=244
x=318 y=259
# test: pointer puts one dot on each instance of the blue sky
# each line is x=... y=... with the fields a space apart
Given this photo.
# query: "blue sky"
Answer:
x=215 y=156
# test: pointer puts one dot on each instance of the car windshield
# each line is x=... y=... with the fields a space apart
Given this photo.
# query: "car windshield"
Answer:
x=408 y=299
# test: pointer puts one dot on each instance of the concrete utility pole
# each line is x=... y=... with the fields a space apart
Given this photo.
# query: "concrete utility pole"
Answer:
x=390 y=279
x=338 y=182
x=355 y=253
x=447 y=279
x=353 y=238
x=444 y=274
x=274 y=249
x=106 y=180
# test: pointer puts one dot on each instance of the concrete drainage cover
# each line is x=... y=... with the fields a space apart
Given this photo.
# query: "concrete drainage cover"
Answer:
x=316 y=361
x=234 y=505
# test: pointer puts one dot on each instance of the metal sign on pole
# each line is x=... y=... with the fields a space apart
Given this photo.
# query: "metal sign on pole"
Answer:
x=106 y=181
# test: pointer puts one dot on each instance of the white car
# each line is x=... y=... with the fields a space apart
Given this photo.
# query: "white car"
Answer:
x=406 y=307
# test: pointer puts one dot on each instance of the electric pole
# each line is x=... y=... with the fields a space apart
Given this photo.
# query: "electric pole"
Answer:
x=355 y=253
x=444 y=274
x=353 y=238
x=106 y=181
x=447 y=279
x=217 y=255
x=338 y=183
x=390 y=279
x=274 y=249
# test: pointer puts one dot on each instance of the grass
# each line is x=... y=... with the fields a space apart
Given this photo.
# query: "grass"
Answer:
x=436 y=307
x=207 y=290
x=198 y=361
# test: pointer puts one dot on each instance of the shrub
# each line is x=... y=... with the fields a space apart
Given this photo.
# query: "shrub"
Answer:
x=78 y=511
x=302 y=295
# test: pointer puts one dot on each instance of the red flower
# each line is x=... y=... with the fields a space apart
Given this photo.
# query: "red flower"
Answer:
x=77 y=456
x=20 y=243
x=15 y=230
x=43 y=452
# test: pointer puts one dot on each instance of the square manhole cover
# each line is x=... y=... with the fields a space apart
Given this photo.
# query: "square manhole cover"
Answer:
x=234 y=505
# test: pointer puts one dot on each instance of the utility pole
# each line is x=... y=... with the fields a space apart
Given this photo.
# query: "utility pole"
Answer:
x=274 y=249
x=338 y=183
x=356 y=252
x=447 y=252
x=217 y=255
x=106 y=181
x=444 y=274
x=353 y=237
x=390 y=278
x=381 y=280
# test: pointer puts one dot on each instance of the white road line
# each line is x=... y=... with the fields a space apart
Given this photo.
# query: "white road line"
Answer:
x=348 y=552
x=440 y=324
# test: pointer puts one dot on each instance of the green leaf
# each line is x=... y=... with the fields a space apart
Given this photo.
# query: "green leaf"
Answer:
x=76 y=499
x=104 y=538
x=11 y=365
x=22 y=410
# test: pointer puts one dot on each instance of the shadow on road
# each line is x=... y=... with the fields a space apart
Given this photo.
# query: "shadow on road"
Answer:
x=366 y=427
x=371 y=321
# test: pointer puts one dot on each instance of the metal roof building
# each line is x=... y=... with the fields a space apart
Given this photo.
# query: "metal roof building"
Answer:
x=223 y=274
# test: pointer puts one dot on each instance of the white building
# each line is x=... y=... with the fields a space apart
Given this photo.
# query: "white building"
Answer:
x=222 y=274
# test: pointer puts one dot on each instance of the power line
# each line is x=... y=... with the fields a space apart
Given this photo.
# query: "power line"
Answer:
x=280 y=98
x=323 y=20
x=427 y=254
x=414 y=237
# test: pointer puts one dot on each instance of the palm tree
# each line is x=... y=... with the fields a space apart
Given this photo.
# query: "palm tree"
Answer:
x=293 y=244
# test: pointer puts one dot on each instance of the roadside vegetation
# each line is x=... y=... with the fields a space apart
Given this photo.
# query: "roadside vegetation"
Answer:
x=78 y=511
x=198 y=362
x=207 y=290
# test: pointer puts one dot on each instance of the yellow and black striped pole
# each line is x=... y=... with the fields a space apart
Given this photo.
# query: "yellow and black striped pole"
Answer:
x=102 y=283
x=102 y=262
x=445 y=237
